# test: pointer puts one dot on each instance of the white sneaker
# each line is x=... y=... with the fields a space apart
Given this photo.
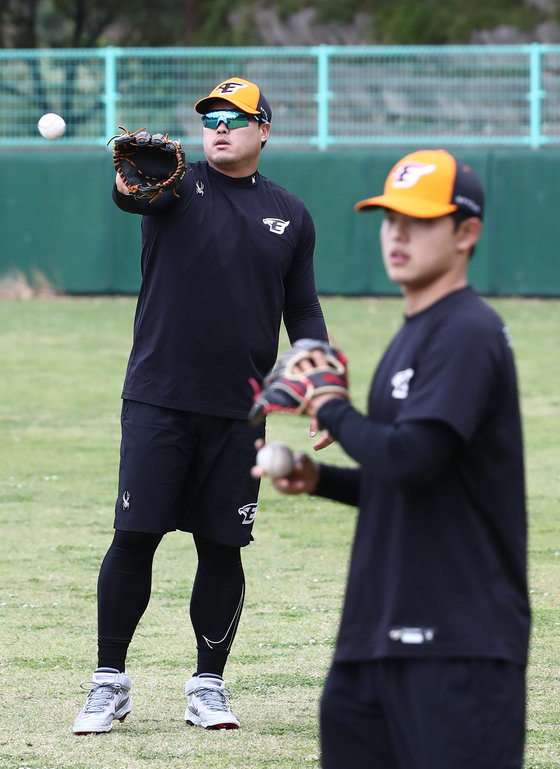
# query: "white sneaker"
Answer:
x=108 y=699
x=207 y=703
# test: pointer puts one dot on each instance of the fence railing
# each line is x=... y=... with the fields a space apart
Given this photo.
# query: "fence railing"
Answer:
x=322 y=96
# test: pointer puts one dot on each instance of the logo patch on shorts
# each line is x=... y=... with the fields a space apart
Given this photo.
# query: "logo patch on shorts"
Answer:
x=248 y=512
x=126 y=500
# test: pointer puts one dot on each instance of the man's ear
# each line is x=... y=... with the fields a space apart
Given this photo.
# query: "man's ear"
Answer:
x=468 y=232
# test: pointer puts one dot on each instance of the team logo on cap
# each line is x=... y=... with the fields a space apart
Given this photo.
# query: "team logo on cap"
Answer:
x=230 y=87
x=409 y=174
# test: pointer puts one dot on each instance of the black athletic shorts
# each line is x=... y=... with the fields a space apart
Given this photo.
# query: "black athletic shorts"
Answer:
x=188 y=471
x=424 y=714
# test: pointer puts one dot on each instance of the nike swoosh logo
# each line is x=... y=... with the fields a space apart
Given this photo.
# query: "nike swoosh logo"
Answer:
x=232 y=625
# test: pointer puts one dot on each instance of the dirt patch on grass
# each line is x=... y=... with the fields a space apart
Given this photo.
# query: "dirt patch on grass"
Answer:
x=16 y=285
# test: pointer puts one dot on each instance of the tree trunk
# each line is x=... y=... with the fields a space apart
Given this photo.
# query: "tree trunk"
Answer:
x=191 y=21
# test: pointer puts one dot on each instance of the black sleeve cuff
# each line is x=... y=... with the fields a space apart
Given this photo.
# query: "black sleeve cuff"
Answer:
x=341 y=484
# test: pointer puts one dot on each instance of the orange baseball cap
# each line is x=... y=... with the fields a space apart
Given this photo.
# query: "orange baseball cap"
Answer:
x=243 y=94
x=427 y=184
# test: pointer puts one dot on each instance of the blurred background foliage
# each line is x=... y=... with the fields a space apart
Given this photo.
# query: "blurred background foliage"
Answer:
x=92 y=23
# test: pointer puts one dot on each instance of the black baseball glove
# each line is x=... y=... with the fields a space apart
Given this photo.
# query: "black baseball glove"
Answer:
x=149 y=164
x=284 y=389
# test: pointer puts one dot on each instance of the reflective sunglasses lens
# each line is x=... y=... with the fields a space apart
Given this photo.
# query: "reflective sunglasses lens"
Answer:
x=229 y=117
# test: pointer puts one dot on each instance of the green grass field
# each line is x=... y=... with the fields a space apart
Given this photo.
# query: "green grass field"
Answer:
x=63 y=361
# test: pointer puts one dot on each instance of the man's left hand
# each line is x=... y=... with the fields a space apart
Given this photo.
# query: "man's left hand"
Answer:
x=306 y=376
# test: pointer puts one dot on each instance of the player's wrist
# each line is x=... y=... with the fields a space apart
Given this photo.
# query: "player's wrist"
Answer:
x=318 y=401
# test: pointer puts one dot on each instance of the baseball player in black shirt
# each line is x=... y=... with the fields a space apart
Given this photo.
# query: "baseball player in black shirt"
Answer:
x=223 y=263
x=429 y=667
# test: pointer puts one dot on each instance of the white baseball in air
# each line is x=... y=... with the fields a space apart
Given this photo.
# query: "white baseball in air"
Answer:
x=276 y=459
x=51 y=126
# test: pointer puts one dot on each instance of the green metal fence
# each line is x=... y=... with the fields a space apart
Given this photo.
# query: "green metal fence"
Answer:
x=322 y=96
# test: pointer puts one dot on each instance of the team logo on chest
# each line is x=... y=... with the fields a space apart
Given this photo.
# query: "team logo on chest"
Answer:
x=401 y=382
x=276 y=225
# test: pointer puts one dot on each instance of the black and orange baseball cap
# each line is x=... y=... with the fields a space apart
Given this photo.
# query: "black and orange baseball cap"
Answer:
x=427 y=184
x=243 y=94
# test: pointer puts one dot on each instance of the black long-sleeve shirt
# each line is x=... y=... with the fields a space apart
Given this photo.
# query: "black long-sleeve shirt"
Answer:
x=222 y=265
x=438 y=566
x=409 y=453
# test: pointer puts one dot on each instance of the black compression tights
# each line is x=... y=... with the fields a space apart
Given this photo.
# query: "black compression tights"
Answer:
x=123 y=593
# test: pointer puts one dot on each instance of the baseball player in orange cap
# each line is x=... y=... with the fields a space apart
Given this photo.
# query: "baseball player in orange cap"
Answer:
x=226 y=259
x=429 y=666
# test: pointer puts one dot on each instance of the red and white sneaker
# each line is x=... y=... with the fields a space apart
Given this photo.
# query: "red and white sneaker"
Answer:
x=208 y=704
x=108 y=700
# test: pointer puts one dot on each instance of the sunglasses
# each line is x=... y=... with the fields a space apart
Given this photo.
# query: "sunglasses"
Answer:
x=230 y=117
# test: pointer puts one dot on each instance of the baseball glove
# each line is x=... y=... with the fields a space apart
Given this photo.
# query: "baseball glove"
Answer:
x=287 y=390
x=149 y=164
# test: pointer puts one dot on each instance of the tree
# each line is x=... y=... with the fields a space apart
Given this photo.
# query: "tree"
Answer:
x=92 y=23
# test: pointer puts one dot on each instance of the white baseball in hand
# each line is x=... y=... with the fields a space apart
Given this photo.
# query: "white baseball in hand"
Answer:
x=51 y=126
x=276 y=459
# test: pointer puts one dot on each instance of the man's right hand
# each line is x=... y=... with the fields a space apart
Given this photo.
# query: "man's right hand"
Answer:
x=302 y=480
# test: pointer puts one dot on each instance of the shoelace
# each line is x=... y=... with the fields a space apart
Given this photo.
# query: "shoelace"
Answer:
x=100 y=694
x=213 y=699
